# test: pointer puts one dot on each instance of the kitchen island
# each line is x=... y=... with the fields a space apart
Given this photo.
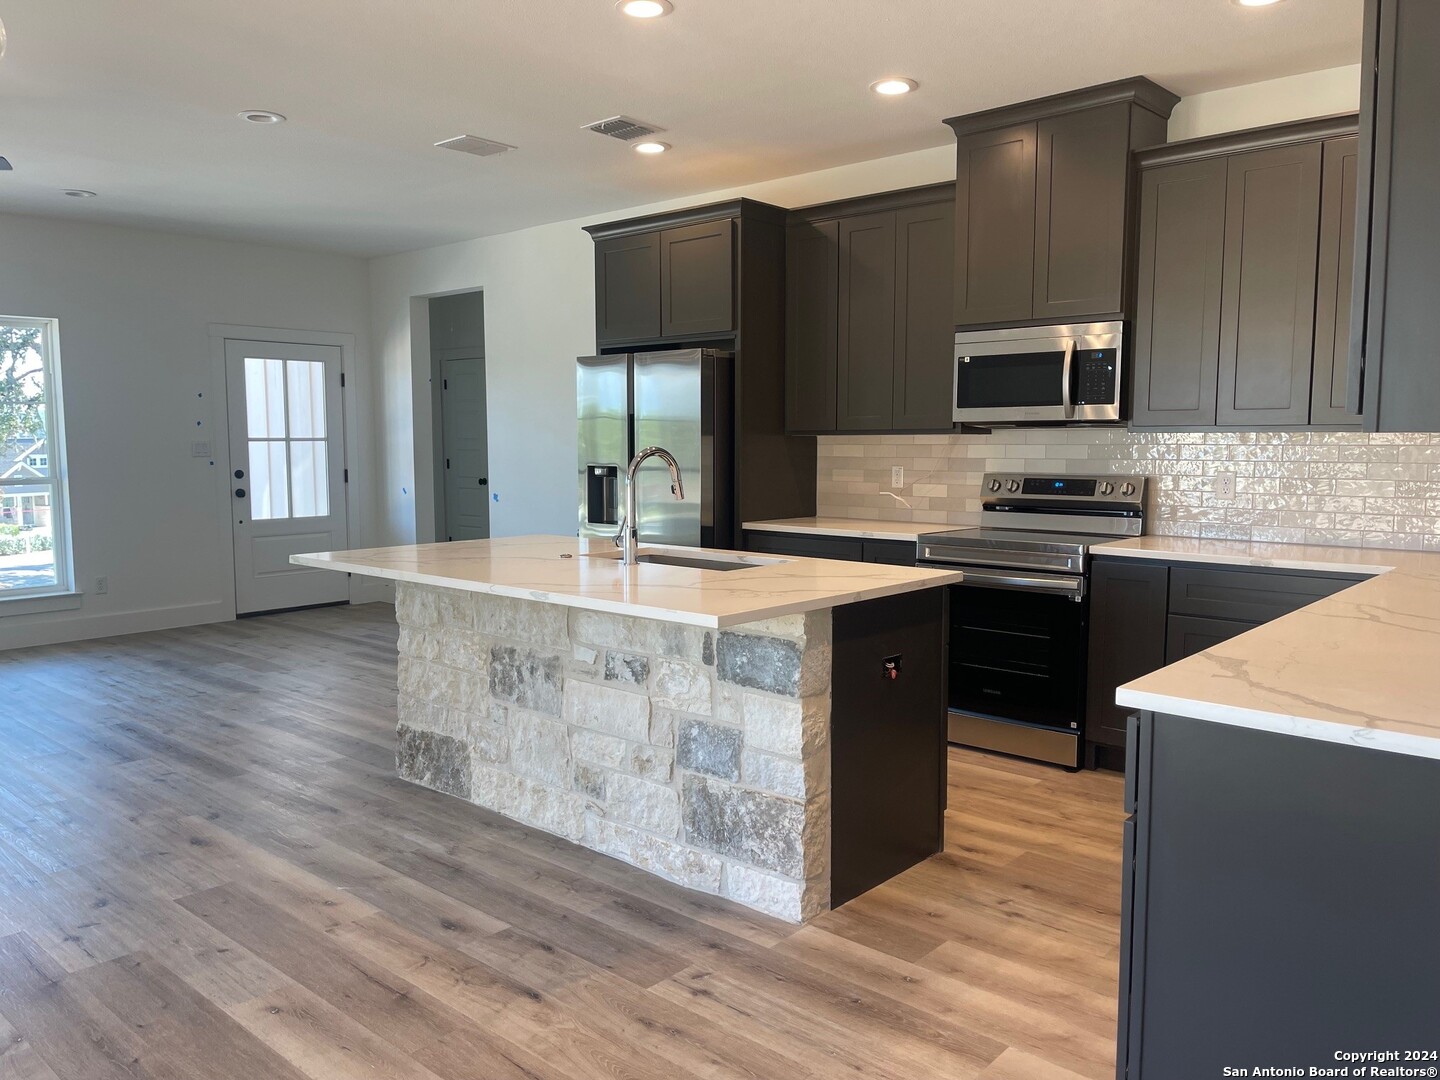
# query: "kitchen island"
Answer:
x=1281 y=875
x=769 y=730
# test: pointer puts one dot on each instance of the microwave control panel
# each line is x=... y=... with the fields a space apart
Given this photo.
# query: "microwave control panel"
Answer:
x=1097 y=370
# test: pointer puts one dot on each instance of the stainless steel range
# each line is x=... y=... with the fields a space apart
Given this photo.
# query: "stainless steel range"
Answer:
x=1019 y=621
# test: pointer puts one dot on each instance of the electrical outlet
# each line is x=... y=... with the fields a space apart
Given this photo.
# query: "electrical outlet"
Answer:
x=1225 y=486
x=102 y=586
x=897 y=476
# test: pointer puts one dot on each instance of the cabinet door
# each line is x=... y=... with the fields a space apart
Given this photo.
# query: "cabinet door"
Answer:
x=1336 y=281
x=697 y=283
x=866 y=369
x=1127 y=638
x=1186 y=635
x=924 y=327
x=627 y=288
x=995 y=226
x=457 y=326
x=890 y=552
x=1082 y=170
x=1177 y=314
x=812 y=299
x=1267 y=312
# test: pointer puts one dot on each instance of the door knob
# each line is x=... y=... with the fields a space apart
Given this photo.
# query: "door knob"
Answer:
x=239 y=493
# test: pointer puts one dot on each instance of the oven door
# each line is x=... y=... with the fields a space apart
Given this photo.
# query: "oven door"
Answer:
x=1057 y=374
x=1018 y=647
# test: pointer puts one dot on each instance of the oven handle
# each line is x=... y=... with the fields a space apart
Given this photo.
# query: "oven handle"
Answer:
x=1072 y=587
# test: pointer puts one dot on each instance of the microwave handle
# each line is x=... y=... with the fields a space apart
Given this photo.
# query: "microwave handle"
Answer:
x=1066 y=380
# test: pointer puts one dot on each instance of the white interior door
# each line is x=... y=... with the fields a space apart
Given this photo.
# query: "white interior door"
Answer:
x=287 y=480
x=467 y=450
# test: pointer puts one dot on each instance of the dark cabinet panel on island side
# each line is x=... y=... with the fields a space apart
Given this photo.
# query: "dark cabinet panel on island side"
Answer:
x=1393 y=368
x=1043 y=203
x=869 y=342
x=1241 y=242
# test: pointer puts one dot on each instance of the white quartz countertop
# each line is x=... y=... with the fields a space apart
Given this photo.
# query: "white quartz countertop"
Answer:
x=1361 y=667
x=858 y=528
x=575 y=573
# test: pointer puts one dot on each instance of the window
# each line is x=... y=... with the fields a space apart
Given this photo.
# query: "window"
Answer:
x=34 y=537
x=289 y=464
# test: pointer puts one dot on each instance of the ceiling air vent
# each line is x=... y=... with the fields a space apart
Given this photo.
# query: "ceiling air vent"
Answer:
x=473 y=144
x=624 y=128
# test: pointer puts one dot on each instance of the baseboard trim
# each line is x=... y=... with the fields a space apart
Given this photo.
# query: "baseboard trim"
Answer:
x=55 y=631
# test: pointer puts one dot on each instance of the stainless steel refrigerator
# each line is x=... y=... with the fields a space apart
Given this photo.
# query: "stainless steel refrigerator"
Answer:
x=681 y=400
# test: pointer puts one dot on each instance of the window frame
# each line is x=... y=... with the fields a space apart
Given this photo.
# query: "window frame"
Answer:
x=56 y=484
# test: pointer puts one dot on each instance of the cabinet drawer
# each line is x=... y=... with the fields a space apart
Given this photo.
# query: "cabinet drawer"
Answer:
x=890 y=552
x=1253 y=596
x=805 y=547
x=1186 y=635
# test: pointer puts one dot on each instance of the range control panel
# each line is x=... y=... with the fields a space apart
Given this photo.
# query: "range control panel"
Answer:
x=1020 y=488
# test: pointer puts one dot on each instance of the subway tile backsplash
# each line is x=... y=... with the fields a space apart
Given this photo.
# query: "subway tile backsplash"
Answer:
x=1344 y=488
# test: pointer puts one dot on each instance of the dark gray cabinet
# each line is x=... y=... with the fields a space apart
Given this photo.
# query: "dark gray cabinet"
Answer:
x=1241 y=238
x=1147 y=613
x=1177 y=310
x=1128 y=599
x=1279 y=900
x=457 y=326
x=868 y=307
x=1335 y=281
x=924 y=341
x=627 y=288
x=1082 y=176
x=1267 y=308
x=670 y=283
x=1043 y=203
x=812 y=321
x=811 y=546
x=864 y=382
x=697 y=290
x=1394 y=365
x=995 y=226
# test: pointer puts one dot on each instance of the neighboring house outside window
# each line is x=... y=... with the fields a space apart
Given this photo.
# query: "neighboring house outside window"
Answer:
x=34 y=533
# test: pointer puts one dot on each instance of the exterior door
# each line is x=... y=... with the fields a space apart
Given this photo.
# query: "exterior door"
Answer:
x=467 y=450
x=287 y=481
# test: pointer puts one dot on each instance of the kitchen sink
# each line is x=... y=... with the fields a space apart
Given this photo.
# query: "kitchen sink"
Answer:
x=699 y=561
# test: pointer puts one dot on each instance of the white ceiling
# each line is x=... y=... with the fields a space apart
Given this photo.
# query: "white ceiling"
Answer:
x=138 y=100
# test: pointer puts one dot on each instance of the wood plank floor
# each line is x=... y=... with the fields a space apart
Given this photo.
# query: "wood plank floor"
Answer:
x=208 y=870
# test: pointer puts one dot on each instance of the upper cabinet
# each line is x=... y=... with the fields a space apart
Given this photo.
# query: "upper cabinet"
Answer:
x=457 y=326
x=1241 y=243
x=1043 y=203
x=671 y=277
x=869 y=338
x=1394 y=369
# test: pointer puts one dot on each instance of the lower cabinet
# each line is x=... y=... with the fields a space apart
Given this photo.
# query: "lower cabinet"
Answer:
x=1145 y=614
x=850 y=549
x=1279 y=899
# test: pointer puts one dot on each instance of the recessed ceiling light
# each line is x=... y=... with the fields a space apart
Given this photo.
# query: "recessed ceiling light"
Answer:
x=893 y=87
x=261 y=116
x=644 y=9
x=2 y=39
x=651 y=147
x=1254 y=3
x=79 y=193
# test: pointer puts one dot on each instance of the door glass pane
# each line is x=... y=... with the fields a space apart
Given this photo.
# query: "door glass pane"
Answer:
x=306 y=380
x=269 y=492
x=308 y=488
x=265 y=397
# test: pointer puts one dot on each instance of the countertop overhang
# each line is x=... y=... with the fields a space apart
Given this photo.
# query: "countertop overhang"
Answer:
x=1361 y=667
x=581 y=574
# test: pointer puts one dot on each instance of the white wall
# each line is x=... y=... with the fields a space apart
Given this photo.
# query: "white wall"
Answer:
x=1295 y=97
x=134 y=309
x=539 y=305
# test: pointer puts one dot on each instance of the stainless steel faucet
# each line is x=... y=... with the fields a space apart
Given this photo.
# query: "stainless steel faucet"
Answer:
x=626 y=539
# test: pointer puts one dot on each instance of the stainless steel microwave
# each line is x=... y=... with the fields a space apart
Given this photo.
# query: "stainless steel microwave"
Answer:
x=1039 y=374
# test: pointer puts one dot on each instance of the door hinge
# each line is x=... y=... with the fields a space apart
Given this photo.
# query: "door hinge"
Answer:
x=347 y=476
x=342 y=380
x=444 y=384
x=447 y=462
